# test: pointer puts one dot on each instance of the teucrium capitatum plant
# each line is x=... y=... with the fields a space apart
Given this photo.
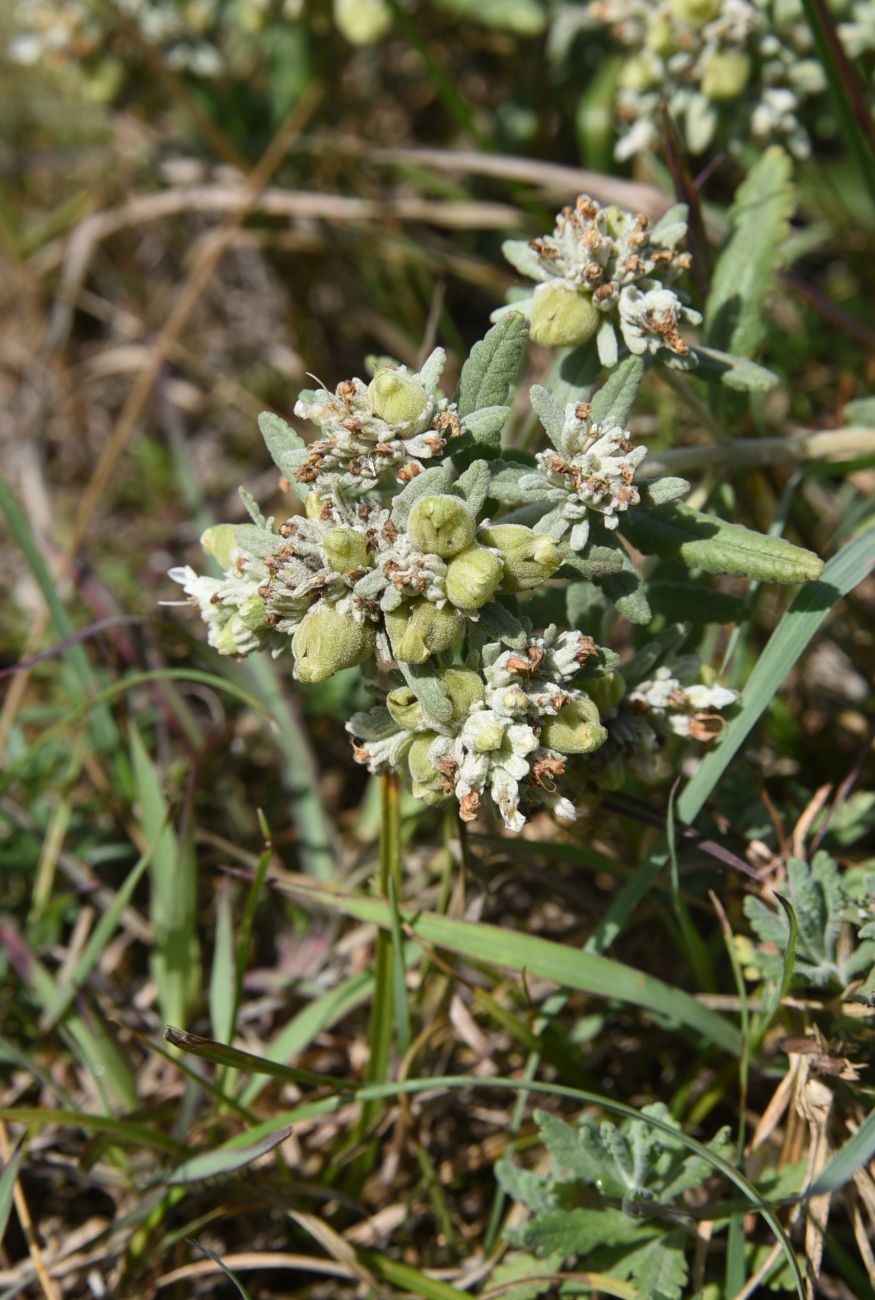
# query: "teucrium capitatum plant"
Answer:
x=423 y=551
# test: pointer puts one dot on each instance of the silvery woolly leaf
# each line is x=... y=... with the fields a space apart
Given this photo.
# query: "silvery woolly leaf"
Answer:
x=497 y=621
x=747 y=267
x=506 y=481
x=252 y=508
x=614 y=400
x=549 y=412
x=286 y=447
x=663 y=490
x=585 y=604
x=671 y=227
x=734 y=372
x=428 y=689
x=597 y=562
x=606 y=342
x=520 y=301
x=626 y=592
x=554 y=523
x=371 y=584
x=432 y=369
x=376 y=724
x=431 y=482
x=524 y=259
x=490 y=373
x=474 y=485
x=486 y=424
x=257 y=542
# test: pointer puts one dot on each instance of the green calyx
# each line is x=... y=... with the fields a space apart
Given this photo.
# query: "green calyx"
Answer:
x=562 y=316
x=576 y=728
x=397 y=397
x=422 y=771
x=327 y=641
x=530 y=558
x=345 y=550
x=464 y=687
x=473 y=577
x=606 y=692
x=405 y=708
x=725 y=74
x=220 y=542
x=441 y=525
x=422 y=630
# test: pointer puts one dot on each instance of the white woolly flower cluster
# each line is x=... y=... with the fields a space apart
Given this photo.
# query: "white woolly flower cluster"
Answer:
x=672 y=701
x=604 y=271
x=741 y=69
x=591 y=470
x=514 y=724
x=394 y=424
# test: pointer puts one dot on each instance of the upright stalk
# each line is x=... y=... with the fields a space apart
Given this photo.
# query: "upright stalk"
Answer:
x=382 y=1010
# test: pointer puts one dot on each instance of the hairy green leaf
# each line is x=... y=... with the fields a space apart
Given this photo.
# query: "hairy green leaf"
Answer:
x=490 y=373
x=748 y=263
x=677 y=532
x=613 y=402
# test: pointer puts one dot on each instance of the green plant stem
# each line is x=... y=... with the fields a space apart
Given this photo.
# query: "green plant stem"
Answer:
x=382 y=1009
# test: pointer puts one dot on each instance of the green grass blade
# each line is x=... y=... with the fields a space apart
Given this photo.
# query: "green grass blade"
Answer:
x=175 y=957
x=217 y=1259
x=588 y=972
x=133 y=1134
x=218 y=1163
x=7 y=1187
x=854 y=1155
x=222 y=971
x=222 y=1054
x=94 y=948
x=808 y=611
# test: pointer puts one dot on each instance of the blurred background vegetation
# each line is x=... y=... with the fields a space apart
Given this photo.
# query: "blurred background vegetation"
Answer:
x=200 y=204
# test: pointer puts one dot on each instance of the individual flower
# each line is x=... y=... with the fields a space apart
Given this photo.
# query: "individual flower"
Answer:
x=604 y=272
x=589 y=470
x=391 y=425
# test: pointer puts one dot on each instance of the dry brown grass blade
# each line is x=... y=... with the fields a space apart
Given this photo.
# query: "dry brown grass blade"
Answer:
x=553 y=177
x=254 y=1259
x=47 y=1286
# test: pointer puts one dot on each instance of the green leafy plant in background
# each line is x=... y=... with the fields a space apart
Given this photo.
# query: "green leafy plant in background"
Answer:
x=613 y=1198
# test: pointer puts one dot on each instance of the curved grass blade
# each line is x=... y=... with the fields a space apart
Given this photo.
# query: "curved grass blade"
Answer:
x=548 y=960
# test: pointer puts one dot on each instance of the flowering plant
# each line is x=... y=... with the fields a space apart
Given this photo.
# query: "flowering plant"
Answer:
x=426 y=553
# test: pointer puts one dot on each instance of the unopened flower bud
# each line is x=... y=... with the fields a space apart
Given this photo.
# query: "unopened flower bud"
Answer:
x=606 y=692
x=405 y=708
x=464 y=688
x=422 y=630
x=694 y=13
x=441 y=525
x=529 y=557
x=562 y=317
x=345 y=549
x=362 y=22
x=313 y=505
x=473 y=577
x=725 y=74
x=327 y=641
x=484 y=732
x=252 y=613
x=397 y=397
x=515 y=700
x=220 y=542
x=226 y=640
x=576 y=728
x=422 y=769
